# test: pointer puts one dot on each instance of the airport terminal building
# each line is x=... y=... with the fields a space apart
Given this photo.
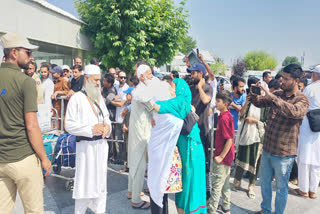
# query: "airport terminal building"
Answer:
x=56 y=31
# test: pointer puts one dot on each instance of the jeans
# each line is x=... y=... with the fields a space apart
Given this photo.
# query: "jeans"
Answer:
x=280 y=168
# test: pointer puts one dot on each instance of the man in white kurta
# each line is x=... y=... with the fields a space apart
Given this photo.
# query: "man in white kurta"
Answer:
x=309 y=143
x=139 y=133
x=87 y=118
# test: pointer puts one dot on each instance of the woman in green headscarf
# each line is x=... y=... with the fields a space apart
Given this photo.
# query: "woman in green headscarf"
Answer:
x=193 y=197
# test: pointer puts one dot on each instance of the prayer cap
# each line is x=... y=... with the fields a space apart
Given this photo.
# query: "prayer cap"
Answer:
x=92 y=70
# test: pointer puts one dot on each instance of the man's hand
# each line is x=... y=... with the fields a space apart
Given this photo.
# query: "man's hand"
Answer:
x=193 y=108
x=187 y=62
x=201 y=83
x=46 y=165
x=201 y=57
x=156 y=108
x=124 y=128
x=70 y=93
x=116 y=98
x=106 y=129
x=153 y=123
x=218 y=159
x=98 y=129
x=251 y=120
x=124 y=112
x=54 y=96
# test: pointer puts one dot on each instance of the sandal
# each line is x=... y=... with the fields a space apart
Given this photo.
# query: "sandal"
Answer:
x=221 y=210
x=236 y=185
x=251 y=193
x=312 y=195
x=142 y=206
x=298 y=192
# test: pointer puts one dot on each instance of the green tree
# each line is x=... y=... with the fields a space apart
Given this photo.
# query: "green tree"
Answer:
x=123 y=31
x=260 y=60
x=219 y=67
x=187 y=44
x=290 y=60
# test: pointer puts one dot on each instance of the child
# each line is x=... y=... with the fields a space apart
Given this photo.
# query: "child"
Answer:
x=223 y=155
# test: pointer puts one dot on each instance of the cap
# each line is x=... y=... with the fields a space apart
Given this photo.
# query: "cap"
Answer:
x=65 y=67
x=129 y=90
x=92 y=70
x=14 y=40
x=56 y=69
x=197 y=67
x=316 y=69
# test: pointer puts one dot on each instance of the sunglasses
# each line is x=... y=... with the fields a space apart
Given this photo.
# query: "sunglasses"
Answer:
x=123 y=77
x=28 y=52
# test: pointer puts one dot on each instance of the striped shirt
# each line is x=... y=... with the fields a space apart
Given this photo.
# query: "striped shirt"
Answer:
x=284 y=120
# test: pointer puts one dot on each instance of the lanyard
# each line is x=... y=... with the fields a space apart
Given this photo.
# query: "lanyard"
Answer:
x=94 y=111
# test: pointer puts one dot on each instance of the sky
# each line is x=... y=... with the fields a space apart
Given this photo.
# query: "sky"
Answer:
x=232 y=28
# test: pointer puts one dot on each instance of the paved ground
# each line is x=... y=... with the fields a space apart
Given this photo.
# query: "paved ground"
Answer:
x=59 y=201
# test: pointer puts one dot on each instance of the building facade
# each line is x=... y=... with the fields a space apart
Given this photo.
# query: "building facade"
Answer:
x=54 y=30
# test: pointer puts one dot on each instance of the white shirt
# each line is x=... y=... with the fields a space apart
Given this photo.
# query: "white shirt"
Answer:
x=48 y=90
x=122 y=96
x=309 y=142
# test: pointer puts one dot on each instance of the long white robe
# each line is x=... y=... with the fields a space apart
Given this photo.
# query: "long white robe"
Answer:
x=91 y=156
x=309 y=142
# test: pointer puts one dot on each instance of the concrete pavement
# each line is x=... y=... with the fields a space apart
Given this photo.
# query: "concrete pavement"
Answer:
x=59 y=201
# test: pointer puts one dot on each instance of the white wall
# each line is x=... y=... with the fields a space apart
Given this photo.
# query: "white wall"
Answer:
x=39 y=23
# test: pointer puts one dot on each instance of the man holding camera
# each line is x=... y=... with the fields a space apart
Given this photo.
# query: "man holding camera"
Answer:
x=287 y=109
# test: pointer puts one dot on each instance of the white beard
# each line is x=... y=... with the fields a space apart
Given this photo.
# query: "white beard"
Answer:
x=93 y=92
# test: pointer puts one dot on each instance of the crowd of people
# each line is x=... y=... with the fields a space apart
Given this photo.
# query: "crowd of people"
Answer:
x=159 y=128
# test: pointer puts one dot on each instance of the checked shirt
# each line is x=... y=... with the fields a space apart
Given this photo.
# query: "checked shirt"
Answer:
x=284 y=120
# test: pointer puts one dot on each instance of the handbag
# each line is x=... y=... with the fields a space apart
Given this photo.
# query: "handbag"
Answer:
x=189 y=122
x=314 y=120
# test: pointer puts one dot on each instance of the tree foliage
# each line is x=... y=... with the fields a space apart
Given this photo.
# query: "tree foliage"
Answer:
x=290 y=60
x=219 y=67
x=123 y=31
x=259 y=61
x=187 y=44
x=239 y=67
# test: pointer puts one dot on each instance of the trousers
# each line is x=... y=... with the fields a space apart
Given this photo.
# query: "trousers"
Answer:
x=136 y=181
x=309 y=177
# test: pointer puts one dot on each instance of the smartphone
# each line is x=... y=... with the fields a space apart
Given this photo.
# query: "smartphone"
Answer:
x=197 y=51
x=256 y=90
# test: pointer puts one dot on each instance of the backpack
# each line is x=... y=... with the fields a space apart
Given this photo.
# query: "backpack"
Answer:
x=65 y=150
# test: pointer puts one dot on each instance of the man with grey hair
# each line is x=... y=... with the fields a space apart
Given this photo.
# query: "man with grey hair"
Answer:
x=87 y=118
x=21 y=148
x=139 y=134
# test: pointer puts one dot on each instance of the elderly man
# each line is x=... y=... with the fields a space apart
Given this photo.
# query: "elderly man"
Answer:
x=309 y=144
x=21 y=148
x=88 y=118
x=139 y=134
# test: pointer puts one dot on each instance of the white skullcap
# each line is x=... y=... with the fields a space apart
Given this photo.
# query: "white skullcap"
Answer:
x=92 y=70
x=316 y=69
x=142 y=69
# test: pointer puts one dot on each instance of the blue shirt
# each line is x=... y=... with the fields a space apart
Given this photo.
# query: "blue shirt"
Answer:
x=238 y=101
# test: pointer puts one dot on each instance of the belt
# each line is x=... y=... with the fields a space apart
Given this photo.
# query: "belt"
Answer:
x=79 y=138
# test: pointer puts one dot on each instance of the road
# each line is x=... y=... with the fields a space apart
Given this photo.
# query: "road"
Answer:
x=59 y=201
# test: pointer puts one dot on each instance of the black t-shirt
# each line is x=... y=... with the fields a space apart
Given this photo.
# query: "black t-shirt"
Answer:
x=202 y=110
x=108 y=95
x=76 y=85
